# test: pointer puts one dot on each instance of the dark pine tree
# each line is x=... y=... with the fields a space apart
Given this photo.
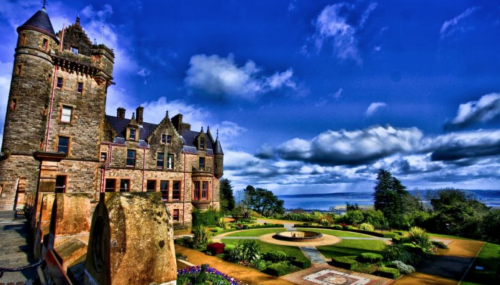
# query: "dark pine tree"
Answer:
x=227 y=198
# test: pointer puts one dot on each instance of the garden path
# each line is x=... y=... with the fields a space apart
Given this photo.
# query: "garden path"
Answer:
x=313 y=254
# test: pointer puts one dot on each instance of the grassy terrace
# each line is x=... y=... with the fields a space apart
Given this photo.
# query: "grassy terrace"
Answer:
x=334 y=232
x=352 y=248
x=489 y=259
x=256 y=232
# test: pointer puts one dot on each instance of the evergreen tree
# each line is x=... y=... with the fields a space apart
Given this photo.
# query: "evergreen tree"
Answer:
x=226 y=196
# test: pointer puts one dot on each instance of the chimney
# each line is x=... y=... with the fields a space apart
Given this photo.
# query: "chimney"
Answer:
x=177 y=122
x=140 y=113
x=120 y=113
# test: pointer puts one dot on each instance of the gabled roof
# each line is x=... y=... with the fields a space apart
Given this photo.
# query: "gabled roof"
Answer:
x=120 y=127
x=40 y=22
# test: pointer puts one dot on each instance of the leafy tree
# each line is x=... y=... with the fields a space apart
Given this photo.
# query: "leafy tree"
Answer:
x=227 y=199
x=354 y=217
x=263 y=201
x=351 y=207
x=491 y=226
x=374 y=217
x=392 y=199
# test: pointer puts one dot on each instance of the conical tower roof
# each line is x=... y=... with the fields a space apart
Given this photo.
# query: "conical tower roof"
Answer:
x=40 y=22
x=218 y=147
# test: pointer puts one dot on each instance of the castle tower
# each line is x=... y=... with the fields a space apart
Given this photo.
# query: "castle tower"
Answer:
x=219 y=159
x=57 y=104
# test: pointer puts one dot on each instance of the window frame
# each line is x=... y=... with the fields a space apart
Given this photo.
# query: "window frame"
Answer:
x=71 y=109
x=128 y=185
x=105 y=156
x=74 y=50
x=134 y=158
x=169 y=139
x=202 y=143
x=179 y=196
x=59 y=85
x=163 y=138
x=106 y=185
x=204 y=191
x=200 y=160
x=64 y=187
x=196 y=190
x=158 y=160
x=170 y=161
x=79 y=87
x=67 y=147
x=164 y=191
x=154 y=182
x=130 y=131
x=176 y=215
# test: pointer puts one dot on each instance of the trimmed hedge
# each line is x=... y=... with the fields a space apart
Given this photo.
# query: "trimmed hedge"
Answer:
x=276 y=256
x=388 y=272
x=344 y=262
x=370 y=257
x=280 y=269
x=383 y=235
x=304 y=264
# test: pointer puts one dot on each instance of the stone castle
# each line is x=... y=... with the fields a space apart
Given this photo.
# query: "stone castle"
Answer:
x=58 y=139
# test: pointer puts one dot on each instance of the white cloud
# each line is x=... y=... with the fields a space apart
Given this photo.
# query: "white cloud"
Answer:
x=352 y=147
x=374 y=107
x=228 y=132
x=457 y=24
x=223 y=78
x=332 y=26
x=481 y=111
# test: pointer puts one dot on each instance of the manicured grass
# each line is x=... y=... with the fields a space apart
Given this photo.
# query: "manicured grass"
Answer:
x=274 y=221
x=489 y=259
x=352 y=248
x=266 y=247
x=256 y=232
x=334 y=232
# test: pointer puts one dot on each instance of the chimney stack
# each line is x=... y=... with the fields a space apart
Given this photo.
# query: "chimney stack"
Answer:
x=140 y=114
x=120 y=113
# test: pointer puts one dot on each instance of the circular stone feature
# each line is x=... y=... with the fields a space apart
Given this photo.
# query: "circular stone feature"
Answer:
x=299 y=236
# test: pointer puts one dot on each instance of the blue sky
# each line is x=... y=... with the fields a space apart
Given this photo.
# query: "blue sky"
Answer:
x=307 y=95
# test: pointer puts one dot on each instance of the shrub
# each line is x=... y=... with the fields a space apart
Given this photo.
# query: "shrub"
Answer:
x=403 y=268
x=280 y=269
x=216 y=229
x=246 y=227
x=351 y=228
x=344 y=262
x=366 y=227
x=254 y=214
x=248 y=251
x=420 y=237
x=398 y=252
x=259 y=265
x=388 y=272
x=208 y=217
x=216 y=248
x=304 y=264
x=338 y=227
x=201 y=237
x=440 y=244
x=276 y=256
x=221 y=223
x=190 y=275
x=370 y=257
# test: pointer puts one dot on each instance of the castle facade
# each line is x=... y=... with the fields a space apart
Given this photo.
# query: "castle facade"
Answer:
x=57 y=106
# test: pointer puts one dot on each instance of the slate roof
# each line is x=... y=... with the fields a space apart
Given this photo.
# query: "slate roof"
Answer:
x=120 y=127
x=40 y=22
x=218 y=147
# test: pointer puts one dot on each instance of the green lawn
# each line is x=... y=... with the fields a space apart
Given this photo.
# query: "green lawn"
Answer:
x=489 y=258
x=334 y=232
x=266 y=247
x=352 y=248
x=256 y=232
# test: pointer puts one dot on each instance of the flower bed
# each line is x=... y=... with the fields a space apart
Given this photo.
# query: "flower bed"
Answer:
x=212 y=276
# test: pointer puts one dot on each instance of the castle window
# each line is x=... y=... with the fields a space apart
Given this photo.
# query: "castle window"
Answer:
x=196 y=191
x=66 y=113
x=60 y=184
x=151 y=186
x=63 y=145
x=163 y=138
x=59 y=82
x=130 y=158
x=104 y=156
x=176 y=214
x=202 y=162
x=169 y=139
x=80 y=87
x=202 y=143
x=124 y=185
x=132 y=134
x=176 y=190
x=74 y=50
x=204 y=190
x=159 y=160
x=164 y=189
x=170 y=161
x=13 y=104
x=45 y=44
x=110 y=185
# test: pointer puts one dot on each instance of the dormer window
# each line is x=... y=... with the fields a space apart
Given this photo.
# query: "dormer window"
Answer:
x=163 y=138
x=132 y=134
x=202 y=143
x=74 y=50
x=169 y=139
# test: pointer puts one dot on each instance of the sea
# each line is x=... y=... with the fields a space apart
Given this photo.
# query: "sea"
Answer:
x=327 y=201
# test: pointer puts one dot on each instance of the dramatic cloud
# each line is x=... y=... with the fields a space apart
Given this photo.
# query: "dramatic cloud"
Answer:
x=265 y=152
x=333 y=26
x=458 y=24
x=228 y=132
x=351 y=147
x=223 y=78
x=481 y=111
x=374 y=107
x=457 y=146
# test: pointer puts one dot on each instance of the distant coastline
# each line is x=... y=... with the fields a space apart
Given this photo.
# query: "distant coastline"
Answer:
x=324 y=201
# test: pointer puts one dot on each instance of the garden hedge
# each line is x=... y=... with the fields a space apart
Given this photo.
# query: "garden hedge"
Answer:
x=344 y=262
x=388 y=272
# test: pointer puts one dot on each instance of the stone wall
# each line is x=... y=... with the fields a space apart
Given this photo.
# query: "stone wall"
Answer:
x=17 y=167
